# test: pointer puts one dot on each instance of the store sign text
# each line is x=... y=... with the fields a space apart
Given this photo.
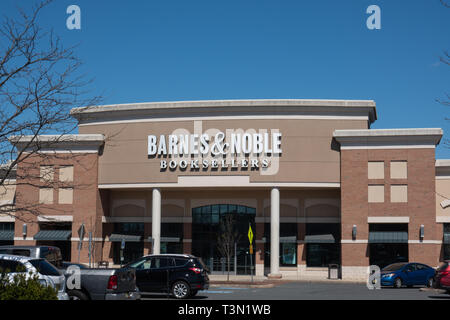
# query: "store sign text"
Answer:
x=244 y=150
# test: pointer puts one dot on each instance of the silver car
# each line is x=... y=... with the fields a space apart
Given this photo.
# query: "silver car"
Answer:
x=47 y=274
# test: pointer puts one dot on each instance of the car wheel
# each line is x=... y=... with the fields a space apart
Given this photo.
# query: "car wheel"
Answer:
x=398 y=283
x=181 y=290
x=77 y=295
x=430 y=283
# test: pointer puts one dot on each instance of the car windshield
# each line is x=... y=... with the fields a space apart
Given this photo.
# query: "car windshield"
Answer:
x=139 y=264
x=443 y=266
x=394 y=267
x=44 y=267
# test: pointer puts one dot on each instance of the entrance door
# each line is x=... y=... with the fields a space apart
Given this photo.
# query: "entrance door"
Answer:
x=210 y=232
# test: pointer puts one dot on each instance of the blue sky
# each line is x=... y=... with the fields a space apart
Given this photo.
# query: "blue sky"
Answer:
x=152 y=50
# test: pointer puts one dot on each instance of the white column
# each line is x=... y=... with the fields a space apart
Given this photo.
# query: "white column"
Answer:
x=156 y=221
x=275 y=233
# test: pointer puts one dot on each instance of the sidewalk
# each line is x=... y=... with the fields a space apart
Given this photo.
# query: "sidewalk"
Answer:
x=219 y=279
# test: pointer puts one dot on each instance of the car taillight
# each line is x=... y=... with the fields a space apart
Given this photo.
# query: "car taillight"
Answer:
x=112 y=282
x=444 y=272
x=196 y=270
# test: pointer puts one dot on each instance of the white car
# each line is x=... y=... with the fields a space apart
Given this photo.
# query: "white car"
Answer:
x=47 y=274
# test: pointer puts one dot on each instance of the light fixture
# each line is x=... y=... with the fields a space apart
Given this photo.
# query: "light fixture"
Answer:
x=24 y=230
x=354 y=232
x=422 y=232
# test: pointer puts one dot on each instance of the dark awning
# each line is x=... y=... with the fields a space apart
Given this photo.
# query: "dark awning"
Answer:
x=116 y=237
x=7 y=235
x=320 y=238
x=446 y=238
x=388 y=237
x=288 y=239
x=53 y=235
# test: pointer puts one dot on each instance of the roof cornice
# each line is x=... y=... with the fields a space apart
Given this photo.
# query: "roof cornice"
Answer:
x=388 y=138
x=58 y=143
x=225 y=108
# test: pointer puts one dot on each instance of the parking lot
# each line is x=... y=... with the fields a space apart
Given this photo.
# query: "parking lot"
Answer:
x=311 y=291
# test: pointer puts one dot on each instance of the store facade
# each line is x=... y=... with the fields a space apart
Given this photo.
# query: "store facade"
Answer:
x=313 y=181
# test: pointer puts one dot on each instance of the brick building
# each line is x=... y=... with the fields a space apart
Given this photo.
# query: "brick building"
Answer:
x=313 y=181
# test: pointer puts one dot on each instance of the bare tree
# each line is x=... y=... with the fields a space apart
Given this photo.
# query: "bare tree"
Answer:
x=227 y=238
x=445 y=59
x=445 y=4
x=40 y=81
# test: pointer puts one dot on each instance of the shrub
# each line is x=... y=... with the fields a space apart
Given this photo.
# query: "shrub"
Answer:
x=21 y=288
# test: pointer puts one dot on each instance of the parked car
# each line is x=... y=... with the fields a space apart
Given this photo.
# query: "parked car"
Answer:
x=181 y=275
x=47 y=274
x=407 y=273
x=49 y=253
x=443 y=276
x=102 y=284
x=66 y=264
x=95 y=284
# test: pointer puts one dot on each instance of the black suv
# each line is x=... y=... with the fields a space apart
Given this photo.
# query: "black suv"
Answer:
x=181 y=275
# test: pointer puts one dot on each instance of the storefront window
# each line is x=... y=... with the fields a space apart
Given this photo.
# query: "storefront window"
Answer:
x=133 y=250
x=322 y=254
x=446 y=246
x=171 y=238
x=65 y=245
x=384 y=251
x=288 y=244
x=325 y=249
x=288 y=254
x=7 y=227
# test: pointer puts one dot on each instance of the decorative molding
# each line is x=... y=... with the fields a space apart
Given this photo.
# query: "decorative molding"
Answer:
x=198 y=183
x=384 y=219
x=7 y=218
x=443 y=219
x=309 y=202
x=48 y=218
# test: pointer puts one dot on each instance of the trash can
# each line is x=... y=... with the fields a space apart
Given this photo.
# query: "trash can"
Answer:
x=333 y=271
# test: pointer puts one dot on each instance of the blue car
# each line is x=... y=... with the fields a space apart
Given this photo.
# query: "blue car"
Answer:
x=408 y=274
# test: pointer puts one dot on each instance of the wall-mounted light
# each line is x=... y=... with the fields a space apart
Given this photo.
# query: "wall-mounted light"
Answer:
x=24 y=230
x=354 y=232
x=422 y=232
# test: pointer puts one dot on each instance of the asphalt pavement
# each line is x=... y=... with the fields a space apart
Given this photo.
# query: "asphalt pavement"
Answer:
x=311 y=291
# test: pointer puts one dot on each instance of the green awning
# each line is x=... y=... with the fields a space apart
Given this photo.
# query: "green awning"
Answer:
x=53 y=235
x=116 y=237
x=388 y=237
x=320 y=238
x=7 y=235
x=446 y=238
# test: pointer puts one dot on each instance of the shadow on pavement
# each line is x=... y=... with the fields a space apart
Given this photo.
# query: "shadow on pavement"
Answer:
x=442 y=297
x=169 y=297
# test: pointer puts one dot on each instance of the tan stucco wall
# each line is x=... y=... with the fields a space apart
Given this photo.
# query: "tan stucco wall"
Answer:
x=306 y=144
x=442 y=193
